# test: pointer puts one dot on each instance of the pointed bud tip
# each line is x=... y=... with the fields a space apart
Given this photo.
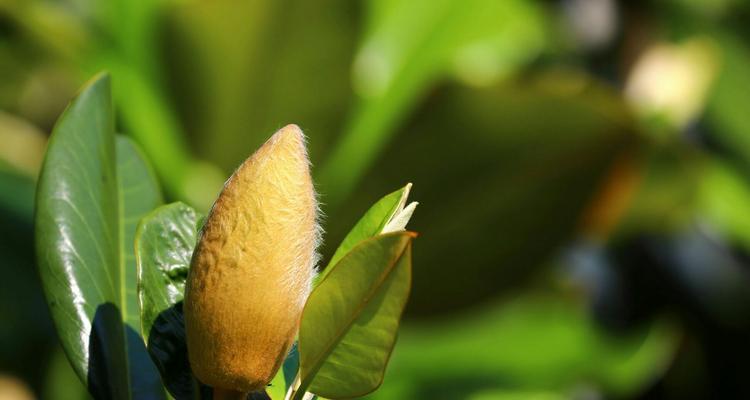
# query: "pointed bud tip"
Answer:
x=289 y=137
x=291 y=131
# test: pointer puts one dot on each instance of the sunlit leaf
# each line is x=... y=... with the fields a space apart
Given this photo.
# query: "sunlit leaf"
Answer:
x=350 y=321
x=371 y=224
x=92 y=190
x=77 y=241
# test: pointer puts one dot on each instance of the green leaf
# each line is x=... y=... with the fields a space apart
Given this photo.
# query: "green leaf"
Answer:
x=371 y=224
x=349 y=323
x=93 y=188
x=164 y=247
x=139 y=194
x=78 y=241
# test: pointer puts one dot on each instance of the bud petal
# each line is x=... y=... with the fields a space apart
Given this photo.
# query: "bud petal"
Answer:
x=253 y=266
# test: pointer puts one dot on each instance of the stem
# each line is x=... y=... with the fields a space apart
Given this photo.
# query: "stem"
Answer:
x=226 y=394
x=297 y=392
x=293 y=388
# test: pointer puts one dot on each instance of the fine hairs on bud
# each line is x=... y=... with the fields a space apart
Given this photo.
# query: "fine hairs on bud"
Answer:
x=253 y=266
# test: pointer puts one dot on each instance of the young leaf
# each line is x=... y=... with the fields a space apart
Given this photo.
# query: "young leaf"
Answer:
x=349 y=324
x=164 y=245
x=84 y=212
x=383 y=216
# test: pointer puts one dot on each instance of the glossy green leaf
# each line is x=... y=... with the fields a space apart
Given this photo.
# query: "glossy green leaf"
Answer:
x=139 y=194
x=93 y=188
x=78 y=241
x=164 y=247
x=349 y=323
x=371 y=224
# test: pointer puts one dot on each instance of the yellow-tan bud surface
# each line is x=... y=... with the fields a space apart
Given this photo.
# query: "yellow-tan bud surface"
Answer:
x=252 y=268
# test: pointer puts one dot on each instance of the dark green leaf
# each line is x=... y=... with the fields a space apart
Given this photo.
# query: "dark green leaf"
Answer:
x=164 y=246
x=93 y=189
x=349 y=324
x=78 y=241
x=139 y=194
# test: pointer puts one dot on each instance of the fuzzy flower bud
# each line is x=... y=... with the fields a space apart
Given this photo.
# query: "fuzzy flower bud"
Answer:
x=252 y=269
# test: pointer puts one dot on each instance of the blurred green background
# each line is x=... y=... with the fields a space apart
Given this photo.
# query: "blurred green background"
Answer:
x=582 y=168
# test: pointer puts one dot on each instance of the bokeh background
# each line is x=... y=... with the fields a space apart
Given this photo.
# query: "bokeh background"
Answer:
x=582 y=168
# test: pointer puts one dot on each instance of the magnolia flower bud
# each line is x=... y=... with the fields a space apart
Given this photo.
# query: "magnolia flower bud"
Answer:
x=252 y=269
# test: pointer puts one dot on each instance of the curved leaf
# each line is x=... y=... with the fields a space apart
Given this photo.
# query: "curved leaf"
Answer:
x=349 y=324
x=78 y=241
x=93 y=188
x=164 y=246
x=371 y=224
